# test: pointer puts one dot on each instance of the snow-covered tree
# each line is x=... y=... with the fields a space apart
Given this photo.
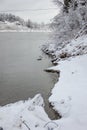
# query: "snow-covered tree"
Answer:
x=70 y=19
x=6 y=17
x=29 y=24
x=11 y=18
x=68 y=24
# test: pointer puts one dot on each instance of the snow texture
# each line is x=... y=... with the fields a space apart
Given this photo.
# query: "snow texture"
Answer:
x=70 y=93
x=24 y=114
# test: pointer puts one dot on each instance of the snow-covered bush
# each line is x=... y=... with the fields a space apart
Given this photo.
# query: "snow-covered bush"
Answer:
x=68 y=23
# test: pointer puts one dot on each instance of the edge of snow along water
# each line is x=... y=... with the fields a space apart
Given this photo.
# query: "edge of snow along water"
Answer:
x=68 y=99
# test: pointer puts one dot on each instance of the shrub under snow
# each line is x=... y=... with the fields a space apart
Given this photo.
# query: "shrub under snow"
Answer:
x=67 y=25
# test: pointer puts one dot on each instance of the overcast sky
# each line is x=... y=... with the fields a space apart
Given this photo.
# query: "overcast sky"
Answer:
x=37 y=16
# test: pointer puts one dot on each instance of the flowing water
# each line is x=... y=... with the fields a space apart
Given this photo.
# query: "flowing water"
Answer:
x=21 y=74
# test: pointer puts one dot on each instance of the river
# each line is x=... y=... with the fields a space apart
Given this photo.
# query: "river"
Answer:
x=21 y=74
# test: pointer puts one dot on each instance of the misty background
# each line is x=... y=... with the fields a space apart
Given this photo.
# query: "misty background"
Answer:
x=36 y=10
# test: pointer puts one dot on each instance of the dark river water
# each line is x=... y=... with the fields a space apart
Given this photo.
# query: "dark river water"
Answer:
x=21 y=74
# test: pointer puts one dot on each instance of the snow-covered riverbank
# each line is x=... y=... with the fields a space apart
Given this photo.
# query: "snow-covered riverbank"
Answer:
x=68 y=99
x=31 y=113
x=22 y=30
x=14 y=27
x=70 y=93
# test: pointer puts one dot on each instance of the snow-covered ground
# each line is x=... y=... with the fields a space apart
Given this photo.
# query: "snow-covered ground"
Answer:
x=70 y=93
x=77 y=46
x=68 y=97
x=24 y=114
x=72 y=48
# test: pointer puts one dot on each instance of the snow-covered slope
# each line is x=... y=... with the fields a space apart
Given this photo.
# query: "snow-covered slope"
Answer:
x=70 y=93
x=68 y=48
x=77 y=46
x=68 y=25
x=24 y=115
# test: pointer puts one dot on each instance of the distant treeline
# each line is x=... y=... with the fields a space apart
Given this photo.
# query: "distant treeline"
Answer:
x=19 y=21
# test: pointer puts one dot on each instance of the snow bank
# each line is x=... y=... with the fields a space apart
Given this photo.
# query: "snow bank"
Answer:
x=70 y=93
x=77 y=46
x=24 y=114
